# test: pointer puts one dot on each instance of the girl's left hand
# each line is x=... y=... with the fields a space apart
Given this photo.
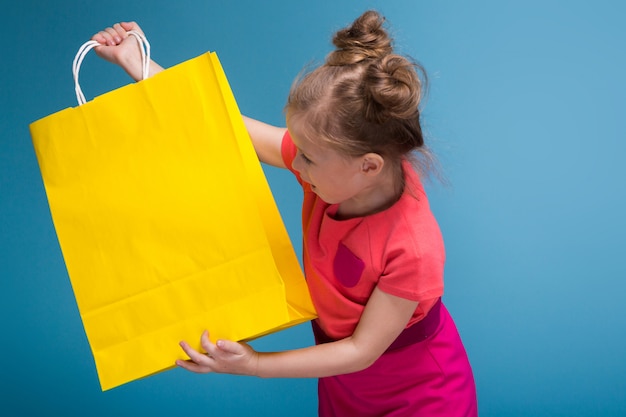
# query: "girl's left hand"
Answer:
x=222 y=357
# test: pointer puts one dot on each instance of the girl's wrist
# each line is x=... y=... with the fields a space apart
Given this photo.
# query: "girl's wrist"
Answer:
x=255 y=364
x=132 y=66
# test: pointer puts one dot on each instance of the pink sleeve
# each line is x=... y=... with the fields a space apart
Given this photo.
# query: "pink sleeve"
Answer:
x=289 y=151
x=415 y=268
x=414 y=252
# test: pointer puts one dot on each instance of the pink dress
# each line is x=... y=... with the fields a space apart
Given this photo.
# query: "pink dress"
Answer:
x=400 y=250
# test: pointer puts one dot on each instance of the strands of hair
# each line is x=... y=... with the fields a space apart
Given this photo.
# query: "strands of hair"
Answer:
x=365 y=97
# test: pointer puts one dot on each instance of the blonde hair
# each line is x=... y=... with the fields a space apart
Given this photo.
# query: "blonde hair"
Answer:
x=364 y=98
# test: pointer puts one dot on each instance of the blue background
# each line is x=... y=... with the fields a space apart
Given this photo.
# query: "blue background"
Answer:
x=525 y=112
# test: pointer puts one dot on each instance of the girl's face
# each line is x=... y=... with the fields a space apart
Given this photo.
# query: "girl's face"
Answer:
x=334 y=177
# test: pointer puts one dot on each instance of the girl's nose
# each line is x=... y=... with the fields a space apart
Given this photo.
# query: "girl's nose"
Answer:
x=296 y=163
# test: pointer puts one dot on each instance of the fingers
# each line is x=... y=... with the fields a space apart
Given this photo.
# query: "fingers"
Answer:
x=131 y=26
x=190 y=366
x=221 y=348
x=199 y=362
x=193 y=354
x=105 y=37
x=222 y=357
x=108 y=37
x=116 y=34
x=230 y=347
x=206 y=343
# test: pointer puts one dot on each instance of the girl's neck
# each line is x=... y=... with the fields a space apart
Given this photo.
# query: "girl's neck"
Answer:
x=378 y=196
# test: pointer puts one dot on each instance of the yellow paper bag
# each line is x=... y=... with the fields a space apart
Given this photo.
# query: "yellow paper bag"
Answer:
x=166 y=222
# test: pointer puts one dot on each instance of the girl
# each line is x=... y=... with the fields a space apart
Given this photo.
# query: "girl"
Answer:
x=373 y=252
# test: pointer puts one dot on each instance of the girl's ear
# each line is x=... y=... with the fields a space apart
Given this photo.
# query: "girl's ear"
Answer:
x=372 y=163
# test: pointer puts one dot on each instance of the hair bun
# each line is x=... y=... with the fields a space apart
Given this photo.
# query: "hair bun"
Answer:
x=393 y=89
x=366 y=38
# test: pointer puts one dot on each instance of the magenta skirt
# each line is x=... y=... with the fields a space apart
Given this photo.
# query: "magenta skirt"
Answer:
x=424 y=373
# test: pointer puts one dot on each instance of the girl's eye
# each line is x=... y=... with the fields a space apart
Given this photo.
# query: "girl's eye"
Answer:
x=305 y=159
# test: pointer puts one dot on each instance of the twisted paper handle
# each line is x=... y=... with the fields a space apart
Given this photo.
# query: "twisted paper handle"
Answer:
x=144 y=47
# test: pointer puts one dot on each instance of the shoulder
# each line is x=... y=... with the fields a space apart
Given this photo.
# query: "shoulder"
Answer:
x=288 y=152
x=409 y=224
x=410 y=247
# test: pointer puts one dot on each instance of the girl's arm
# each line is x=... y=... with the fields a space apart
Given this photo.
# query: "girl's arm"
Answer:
x=383 y=319
x=267 y=141
x=118 y=47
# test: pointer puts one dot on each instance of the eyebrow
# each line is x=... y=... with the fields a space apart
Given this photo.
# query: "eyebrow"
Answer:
x=302 y=152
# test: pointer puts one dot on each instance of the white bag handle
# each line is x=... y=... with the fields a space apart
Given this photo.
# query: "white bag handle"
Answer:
x=144 y=47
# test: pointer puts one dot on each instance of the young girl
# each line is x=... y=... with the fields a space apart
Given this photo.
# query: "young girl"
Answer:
x=373 y=252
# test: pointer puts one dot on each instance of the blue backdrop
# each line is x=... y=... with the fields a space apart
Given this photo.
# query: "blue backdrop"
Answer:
x=525 y=111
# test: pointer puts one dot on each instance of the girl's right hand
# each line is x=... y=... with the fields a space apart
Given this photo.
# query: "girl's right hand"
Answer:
x=120 y=48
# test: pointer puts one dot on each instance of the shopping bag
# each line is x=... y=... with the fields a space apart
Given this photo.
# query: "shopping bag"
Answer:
x=165 y=220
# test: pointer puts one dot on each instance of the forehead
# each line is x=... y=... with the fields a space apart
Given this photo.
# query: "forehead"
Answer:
x=309 y=141
x=303 y=138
